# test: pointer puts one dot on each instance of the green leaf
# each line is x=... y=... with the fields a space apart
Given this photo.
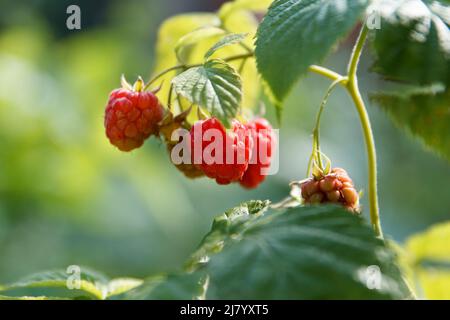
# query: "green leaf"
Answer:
x=122 y=285
x=215 y=86
x=413 y=43
x=297 y=33
x=305 y=253
x=227 y=40
x=424 y=112
x=184 y=47
x=91 y=283
x=30 y=298
x=224 y=226
x=183 y=286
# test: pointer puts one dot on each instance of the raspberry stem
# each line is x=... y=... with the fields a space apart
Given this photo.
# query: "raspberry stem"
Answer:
x=316 y=154
x=313 y=68
x=326 y=73
x=188 y=66
x=350 y=82
x=353 y=89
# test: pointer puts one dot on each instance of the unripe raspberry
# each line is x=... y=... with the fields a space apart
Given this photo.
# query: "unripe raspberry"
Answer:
x=168 y=127
x=234 y=148
x=309 y=188
x=336 y=187
x=131 y=116
x=263 y=136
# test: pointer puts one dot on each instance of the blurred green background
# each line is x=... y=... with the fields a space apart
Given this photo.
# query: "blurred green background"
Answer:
x=68 y=197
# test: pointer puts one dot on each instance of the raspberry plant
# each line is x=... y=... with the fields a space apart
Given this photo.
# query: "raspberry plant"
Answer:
x=314 y=244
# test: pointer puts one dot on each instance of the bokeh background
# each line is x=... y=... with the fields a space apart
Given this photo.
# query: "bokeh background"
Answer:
x=68 y=197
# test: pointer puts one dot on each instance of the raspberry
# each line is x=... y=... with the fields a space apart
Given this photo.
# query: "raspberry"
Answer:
x=131 y=116
x=262 y=148
x=169 y=125
x=224 y=168
x=336 y=187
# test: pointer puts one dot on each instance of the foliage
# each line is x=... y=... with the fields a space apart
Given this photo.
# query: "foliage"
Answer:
x=215 y=86
x=296 y=34
x=427 y=257
x=282 y=255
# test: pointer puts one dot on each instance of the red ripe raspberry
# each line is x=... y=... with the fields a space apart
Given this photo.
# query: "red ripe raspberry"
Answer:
x=234 y=148
x=131 y=117
x=261 y=154
x=336 y=187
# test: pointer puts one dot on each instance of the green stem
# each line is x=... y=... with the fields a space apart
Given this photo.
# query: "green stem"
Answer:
x=353 y=89
x=188 y=66
x=326 y=73
x=316 y=131
x=357 y=50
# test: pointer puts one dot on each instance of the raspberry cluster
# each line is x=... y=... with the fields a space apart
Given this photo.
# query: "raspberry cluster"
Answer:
x=335 y=187
x=239 y=155
x=131 y=117
x=240 y=160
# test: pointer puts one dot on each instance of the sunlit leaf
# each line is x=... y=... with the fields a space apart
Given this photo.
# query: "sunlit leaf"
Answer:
x=121 y=285
x=433 y=244
x=228 y=8
x=170 y=32
x=227 y=40
x=428 y=256
x=91 y=282
x=184 y=47
x=215 y=86
x=176 y=27
x=30 y=298
x=92 y=285
x=435 y=284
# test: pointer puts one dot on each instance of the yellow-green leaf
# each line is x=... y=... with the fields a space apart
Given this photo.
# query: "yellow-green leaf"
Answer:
x=435 y=284
x=229 y=8
x=428 y=256
x=170 y=32
x=122 y=285
x=175 y=28
x=433 y=244
x=184 y=47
